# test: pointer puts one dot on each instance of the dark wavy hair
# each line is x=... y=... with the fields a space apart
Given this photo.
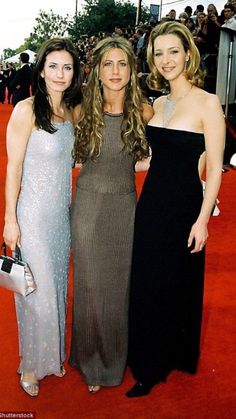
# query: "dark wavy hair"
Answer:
x=72 y=96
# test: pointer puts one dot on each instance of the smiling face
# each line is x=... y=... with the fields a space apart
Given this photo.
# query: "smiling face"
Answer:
x=114 y=71
x=170 y=57
x=58 y=71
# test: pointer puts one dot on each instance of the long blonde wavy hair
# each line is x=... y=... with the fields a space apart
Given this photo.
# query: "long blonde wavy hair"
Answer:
x=89 y=128
x=193 y=73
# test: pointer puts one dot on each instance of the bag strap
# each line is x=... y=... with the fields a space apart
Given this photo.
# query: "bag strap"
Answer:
x=17 y=252
x=4 y=247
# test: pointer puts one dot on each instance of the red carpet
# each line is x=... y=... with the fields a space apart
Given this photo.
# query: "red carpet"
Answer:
x=211 y=394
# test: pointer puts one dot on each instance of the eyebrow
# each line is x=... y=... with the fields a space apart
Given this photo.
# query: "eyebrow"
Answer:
x=119 y=61
x=52 y=62
x=160 y=49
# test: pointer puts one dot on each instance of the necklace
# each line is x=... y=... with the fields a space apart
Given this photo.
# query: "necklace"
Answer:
x=169 y=107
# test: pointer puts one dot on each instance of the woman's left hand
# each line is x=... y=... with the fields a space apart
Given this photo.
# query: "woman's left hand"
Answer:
x=198 y=235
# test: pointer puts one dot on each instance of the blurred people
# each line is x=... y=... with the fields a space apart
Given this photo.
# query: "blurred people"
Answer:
x=190 y=24
x=208 y=42
x=10 y=74
x=229 y=15
x=172 y=14
x=226 y=64
x=20 y=85
x=188 y=10
x=182 y=17
x=2 y=83
x=86 y=72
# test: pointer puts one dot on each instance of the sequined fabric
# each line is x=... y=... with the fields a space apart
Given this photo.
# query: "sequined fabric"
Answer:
x=43 y=216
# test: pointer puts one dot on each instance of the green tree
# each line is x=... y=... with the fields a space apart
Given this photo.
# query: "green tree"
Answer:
x=104 y=15
x=8 y=52
x=48 y=25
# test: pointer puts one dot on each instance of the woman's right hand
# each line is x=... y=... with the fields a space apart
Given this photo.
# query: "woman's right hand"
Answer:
x=11 y=235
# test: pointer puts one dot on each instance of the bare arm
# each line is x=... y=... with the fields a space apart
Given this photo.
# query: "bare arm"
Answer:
x=76 y=115
x=214 y=133
x=143 y=165
x=18 y=131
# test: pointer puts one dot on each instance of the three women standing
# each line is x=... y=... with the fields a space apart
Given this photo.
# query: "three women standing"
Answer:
x=40 y=137
x=172 y=215
x=110 y=139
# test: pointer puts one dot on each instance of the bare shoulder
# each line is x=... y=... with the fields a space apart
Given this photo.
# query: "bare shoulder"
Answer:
x=208 y=101
x=147 y=112
x=23 y=112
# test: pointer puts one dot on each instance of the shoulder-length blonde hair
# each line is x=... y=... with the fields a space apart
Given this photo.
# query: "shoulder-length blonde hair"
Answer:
x=91 y=121
x=193 y=73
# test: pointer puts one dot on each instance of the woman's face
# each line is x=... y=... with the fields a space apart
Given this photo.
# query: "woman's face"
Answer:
x=189 y=23
x=114 y=71
x=211 y=10
x=87 y=69
x=169 y=56
x=58 y=71
x=200 y=18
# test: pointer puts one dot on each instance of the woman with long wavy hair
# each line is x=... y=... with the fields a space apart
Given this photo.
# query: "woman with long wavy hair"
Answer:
x=110 y=139
x=40 y=137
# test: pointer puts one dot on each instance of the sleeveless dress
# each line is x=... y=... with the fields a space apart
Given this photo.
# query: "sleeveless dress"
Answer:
x=167 y=280
x=43 y=217
x=102 y=236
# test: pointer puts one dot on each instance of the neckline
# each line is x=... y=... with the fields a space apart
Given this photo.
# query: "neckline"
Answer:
x=113 y=114
x=64 y=122
x=176 y=129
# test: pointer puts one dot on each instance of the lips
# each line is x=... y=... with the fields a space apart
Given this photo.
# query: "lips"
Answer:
x=168 y=69
x=115 y=80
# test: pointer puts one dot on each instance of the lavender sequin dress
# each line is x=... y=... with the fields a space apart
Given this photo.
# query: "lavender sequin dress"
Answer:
x=43 y=216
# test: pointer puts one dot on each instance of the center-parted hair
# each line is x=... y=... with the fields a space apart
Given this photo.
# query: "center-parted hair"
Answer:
x=72 y=95
x=89 y=137
x=193 y=73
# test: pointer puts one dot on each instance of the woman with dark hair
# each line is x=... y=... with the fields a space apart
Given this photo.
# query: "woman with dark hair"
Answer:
x=190 y=24
x=110 y=139
x=170 y=232
x=40 y=137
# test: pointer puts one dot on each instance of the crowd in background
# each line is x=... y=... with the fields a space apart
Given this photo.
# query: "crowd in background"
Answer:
x=203 y=23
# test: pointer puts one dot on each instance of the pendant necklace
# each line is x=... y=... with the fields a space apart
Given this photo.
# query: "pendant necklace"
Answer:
x=169 y=107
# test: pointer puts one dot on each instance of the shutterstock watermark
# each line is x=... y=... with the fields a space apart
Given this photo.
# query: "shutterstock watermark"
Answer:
x=16 y=415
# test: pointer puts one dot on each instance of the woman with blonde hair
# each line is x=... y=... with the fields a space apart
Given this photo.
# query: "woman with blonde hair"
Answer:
x=110 y=139
x=172 y=216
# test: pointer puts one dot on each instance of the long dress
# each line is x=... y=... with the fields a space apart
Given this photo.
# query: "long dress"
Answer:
x=102 y=235
x=44 y=220
x=167 y=280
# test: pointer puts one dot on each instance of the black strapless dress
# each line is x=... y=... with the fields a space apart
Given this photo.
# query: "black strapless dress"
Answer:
x=167 y=280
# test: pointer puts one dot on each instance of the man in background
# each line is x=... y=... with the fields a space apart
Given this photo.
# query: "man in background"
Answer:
x=21 y=83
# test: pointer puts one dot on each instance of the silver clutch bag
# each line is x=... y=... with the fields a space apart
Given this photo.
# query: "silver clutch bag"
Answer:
x=15 y=275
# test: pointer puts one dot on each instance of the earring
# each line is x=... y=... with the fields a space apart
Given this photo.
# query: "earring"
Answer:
x=185 y=64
